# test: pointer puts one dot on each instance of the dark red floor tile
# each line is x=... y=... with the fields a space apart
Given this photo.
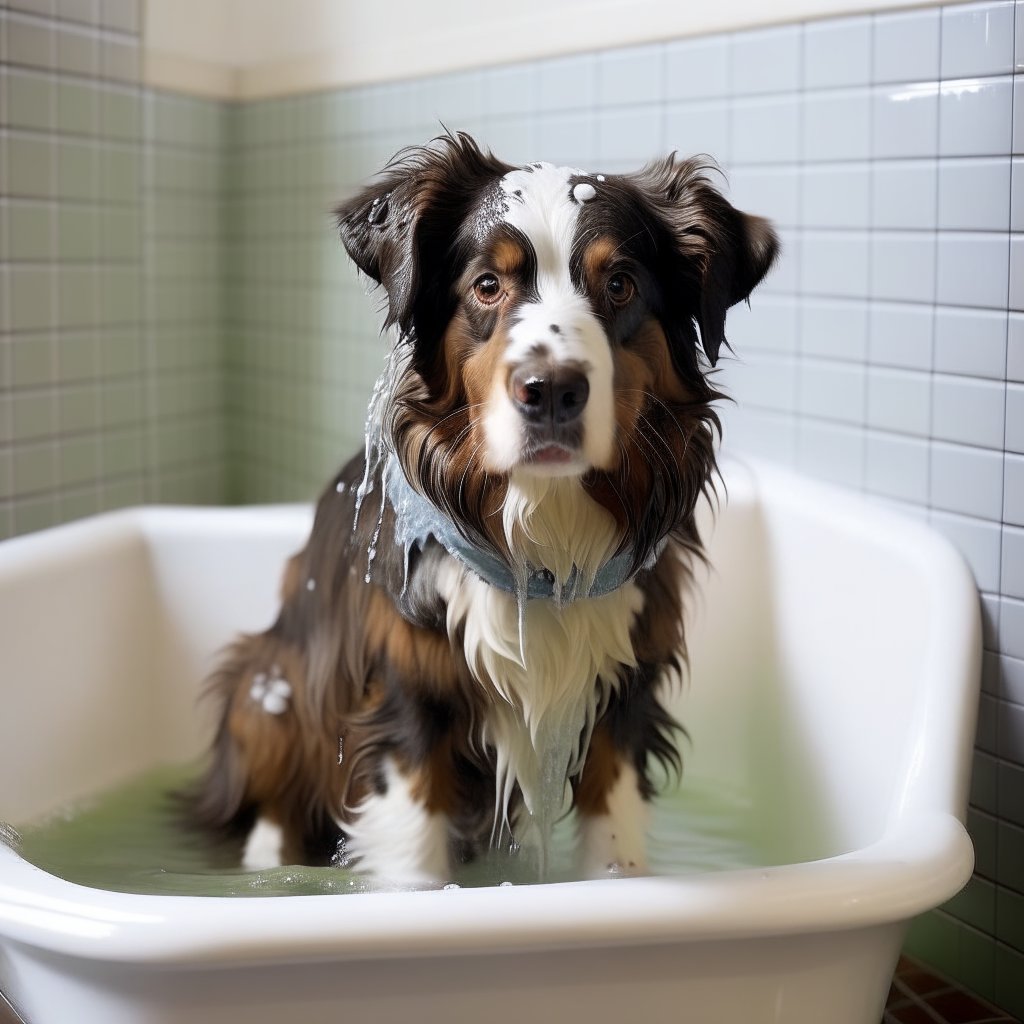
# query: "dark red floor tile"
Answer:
x=960 y=1008
x=913 y=1015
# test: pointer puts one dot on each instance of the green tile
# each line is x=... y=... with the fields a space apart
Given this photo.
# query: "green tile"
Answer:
x=123 y=493
x=78 y=108
x=32 y=361
x=77 y=169
x=121 y=115
x=975 y=904
x=31 y=298
x=78 y=296
x=29 y=43
x=6 y=473
x=77 y=356
x=977 y=962
x=934 y=938
x=31 y=514
x=122 y=403
x=78 y=410
x=1009 y=988
x=121 y=174
x=1010 y=918
x=35 y=468
x=122 y=453
x=29 y=100
x=5 y=418
x=30 y=231
x=79 y=460
x=34 y=416
x=120 y=295
x=121 y=352
x=122 y=235
x=6 y=512
x=78 y=232
x=120 y=60
x=29 y=166
x=44 y=7
x=78 y=53
x=84 y=11
x=77 y=504
x=122 y=15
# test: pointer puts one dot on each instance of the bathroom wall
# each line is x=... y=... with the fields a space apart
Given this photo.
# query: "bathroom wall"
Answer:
x=110 y=353
x=179 y=321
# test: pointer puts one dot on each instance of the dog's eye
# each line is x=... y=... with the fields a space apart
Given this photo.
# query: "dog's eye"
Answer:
x=487 y=289
x=621 y=289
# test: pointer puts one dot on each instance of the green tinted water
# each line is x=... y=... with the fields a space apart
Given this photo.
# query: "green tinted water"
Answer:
x=129 y=840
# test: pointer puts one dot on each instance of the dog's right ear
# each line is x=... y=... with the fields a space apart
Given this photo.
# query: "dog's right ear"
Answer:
x=377 y=229
x=400 y=231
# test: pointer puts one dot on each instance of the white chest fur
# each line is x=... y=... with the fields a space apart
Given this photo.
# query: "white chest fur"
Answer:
x=545 y=697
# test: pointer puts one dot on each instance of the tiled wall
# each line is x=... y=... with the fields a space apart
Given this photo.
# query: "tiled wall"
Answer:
x=110 y=352
x=179 y=321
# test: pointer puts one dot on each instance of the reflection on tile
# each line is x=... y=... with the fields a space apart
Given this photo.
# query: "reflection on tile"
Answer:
x=906 y=120
x=977 y=39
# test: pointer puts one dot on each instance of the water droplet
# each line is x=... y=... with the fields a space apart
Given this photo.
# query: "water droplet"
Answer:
x=341 y=749
x=600 y=177
x=504 y=885
x=311 y=584
x=452 y=885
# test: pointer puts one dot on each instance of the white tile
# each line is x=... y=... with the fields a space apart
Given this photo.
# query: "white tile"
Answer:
x=967 y=480
x=831 y=451
x=970 y=341
x=630 y=134
x=771 y=192
x=510 y=90
x=906 y=46
x=1018 y=114
x=837 y=125
x=974 y=117
x=1015 y=349
x=1018 y=49
x=834 y=263
x=906 y=120
x=630 y=76
x=760 y=380
x=765 y=130
x=1015 y=418
x=833 y=328
x=1017 y=272
x=977 y=39
x=899 y=400
x=1013 y=490
x=832 y=390
x=837 y=52
x=977 y=540
x=974 y=194
x=1011 y=628
x=990 y=614
x=973 y=270
x=568 y=83
x=903 y=193
x=694 y=128
x=767 y=434
x=697 y=68
x=568 y=138
x=1017 y=191
x=768 y=323
x=903 y=266
x=766 y=60
x=897 y=467
x=783 y=276
x=900 y=335
x=835 y=195
x=968 y=410
x=1012 y=583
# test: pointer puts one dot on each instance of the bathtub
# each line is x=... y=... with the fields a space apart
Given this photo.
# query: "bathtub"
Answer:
x=835 y=652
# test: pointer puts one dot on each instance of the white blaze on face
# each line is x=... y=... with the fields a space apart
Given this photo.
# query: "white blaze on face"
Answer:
x=542 y=205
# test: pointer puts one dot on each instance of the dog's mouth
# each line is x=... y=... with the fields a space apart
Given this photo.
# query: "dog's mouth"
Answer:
x=551 y=455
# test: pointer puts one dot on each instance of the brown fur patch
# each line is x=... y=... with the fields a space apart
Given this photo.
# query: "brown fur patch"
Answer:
x=508 y=256
x=596 y=257
x=600 y=773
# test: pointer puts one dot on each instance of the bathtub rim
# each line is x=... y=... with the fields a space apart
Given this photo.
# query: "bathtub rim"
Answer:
x=923 y=858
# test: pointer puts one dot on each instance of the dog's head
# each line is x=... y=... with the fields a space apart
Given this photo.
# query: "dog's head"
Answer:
x=553 y=319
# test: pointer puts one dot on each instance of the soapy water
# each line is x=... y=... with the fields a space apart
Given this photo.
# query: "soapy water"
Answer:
x=130 y=839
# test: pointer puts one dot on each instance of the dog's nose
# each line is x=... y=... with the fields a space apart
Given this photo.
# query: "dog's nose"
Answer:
x=556 y=395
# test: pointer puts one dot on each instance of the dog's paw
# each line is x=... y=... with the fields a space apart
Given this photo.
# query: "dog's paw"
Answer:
x=264 y=847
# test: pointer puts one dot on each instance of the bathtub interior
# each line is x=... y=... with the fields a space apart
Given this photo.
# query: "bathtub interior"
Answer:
x=805 y=700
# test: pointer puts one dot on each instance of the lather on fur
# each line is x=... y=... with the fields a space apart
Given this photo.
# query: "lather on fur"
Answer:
x=477 y=631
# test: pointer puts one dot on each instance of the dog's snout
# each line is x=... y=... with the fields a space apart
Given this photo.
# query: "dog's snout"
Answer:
x=549 y=395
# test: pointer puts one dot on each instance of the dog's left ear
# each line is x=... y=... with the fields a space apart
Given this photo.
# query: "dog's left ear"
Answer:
x=732 y=250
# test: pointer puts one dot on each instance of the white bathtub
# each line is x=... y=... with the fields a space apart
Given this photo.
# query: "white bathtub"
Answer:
x=835 y=664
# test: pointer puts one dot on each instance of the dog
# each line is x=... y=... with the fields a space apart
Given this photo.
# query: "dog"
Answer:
x=475 y=638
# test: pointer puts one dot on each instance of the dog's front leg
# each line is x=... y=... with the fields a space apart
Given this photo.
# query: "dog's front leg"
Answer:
x=613 y=815
x=394 y=834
